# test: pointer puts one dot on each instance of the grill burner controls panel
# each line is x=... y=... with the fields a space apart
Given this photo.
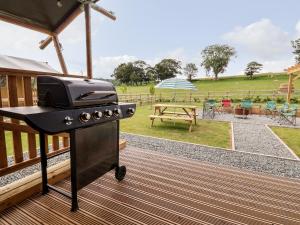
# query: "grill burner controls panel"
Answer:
x=108 y=113
x=84 y=117
x=97 y=115
x=65 y=120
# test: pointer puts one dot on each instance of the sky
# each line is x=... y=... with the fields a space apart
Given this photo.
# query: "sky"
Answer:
x=259 y=30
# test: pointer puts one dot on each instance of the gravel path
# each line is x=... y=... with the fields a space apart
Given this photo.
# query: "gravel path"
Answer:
x=257 y=138
x=251 y=135
x=250 y=161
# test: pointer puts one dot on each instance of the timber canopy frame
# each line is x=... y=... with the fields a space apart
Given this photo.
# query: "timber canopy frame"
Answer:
x=291 y=71
x=51 y=17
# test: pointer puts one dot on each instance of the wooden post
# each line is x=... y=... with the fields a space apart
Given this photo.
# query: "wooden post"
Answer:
x=3 y=154
x=59 y=54
x=87 y=11
x=28 y=100
x=13 y=102
x=290 y=87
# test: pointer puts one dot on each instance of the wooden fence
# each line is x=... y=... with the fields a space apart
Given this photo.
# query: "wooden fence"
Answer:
x=144 y=98
x=19 y=91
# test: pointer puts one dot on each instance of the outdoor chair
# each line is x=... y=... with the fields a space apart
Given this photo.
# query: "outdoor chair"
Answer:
x=244 y=108
x=209 y=109
x=271 y=108
x=226 y=104
x=288 y=115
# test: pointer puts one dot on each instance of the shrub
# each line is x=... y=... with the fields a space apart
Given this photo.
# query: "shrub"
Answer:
x=280 y=100
x=123 y=88
x=267 y=99
x=294 y=100
x=236 y=100
x=197 y=99
x=152 y=89
x=257 y=99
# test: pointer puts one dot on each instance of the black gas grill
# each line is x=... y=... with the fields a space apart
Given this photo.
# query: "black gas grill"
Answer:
x=89 y=111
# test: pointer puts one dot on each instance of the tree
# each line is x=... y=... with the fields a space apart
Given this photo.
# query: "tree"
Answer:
x=122 y=73
x=167 y=68
x=190 y=70
x=252 y=68
x=215 y=58
x=132 y=73
x=296 y=52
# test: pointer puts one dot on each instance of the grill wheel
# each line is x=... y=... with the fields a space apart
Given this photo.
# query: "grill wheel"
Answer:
x=120 y=173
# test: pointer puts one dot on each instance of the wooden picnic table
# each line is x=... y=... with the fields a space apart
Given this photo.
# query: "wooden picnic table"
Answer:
x=187 y=113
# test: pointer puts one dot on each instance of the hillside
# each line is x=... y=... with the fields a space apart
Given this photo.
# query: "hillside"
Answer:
x=261 y=82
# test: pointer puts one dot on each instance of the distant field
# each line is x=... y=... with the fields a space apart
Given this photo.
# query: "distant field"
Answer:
x=261 y=82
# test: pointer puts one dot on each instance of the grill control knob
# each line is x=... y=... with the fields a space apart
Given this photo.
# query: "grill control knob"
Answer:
x=84 y=117
x=130 y=111
x=68 y=120
x=117 y=112
x=108 y=113
x=97 y=115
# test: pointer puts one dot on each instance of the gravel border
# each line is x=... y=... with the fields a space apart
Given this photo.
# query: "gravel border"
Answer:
x=282 y=142
x=7 y=179
x=251 y=161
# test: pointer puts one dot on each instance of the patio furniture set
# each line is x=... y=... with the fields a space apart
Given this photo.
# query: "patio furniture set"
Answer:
x=187 y=113
x=284 y=114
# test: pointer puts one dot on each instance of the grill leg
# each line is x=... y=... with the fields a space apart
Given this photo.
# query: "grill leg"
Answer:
x=43 y=163
x=73 y=172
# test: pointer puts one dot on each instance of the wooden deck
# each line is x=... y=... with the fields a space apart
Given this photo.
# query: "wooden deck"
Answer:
x=162 y=189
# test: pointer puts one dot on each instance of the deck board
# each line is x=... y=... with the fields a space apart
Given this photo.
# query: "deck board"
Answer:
x=164 y=189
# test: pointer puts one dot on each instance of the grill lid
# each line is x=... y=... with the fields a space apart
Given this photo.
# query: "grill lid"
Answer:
x=66 y=92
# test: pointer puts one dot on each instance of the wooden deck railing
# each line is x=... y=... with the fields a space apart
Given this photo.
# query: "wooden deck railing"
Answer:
x=19 y=91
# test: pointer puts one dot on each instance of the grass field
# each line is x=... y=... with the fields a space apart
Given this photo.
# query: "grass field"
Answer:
x=211 y=133
x=261 y=82
x=291 y=136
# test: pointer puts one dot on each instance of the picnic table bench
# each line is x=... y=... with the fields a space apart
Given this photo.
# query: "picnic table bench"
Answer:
x=188 y=113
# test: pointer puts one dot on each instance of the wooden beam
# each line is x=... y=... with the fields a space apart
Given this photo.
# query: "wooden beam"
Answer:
x=59 y=54
x=294 y=69
x=61 y=27
x=103 y=11
x=31 y=73
x=3 y=153
x=25 y=24
x=13 y=102
x=28 y=100
x=290 y=87
x=87 y=13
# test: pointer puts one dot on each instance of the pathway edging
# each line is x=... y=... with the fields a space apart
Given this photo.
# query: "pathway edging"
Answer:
x=282 y=142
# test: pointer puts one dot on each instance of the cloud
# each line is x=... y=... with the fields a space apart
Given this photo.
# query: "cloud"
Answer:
x=277 y=65
x=263 y=39
x=297 y=27
x=104 y=66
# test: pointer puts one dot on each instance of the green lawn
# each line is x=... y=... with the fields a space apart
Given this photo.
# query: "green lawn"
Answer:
x=291 y=136
x=211 y=133
x=261 y=82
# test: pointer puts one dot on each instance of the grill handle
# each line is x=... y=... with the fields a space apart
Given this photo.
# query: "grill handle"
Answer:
x=104 y=94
